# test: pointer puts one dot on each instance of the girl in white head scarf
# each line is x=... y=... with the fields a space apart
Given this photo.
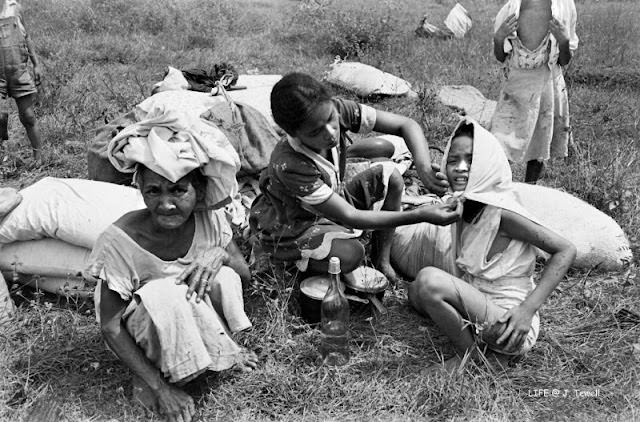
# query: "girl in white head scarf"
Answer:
x=493 y=301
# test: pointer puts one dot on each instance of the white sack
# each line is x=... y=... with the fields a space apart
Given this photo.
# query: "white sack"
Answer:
x=194 y=102
x=599 y=239
x=63 y=286
x=257 y=94
x=470 y=100
x=367 y=80
x=7 y=307
x=173 y=80
x=46 y=257
x=73 y=210
x=422 y=245
x=458 y=21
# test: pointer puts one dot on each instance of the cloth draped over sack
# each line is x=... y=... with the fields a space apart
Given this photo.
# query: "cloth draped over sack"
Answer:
x=173 y=144
x=248 y=131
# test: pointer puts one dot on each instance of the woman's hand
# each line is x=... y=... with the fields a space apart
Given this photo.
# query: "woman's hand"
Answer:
x=174 y=403
x=513 y=326
x=508 y=27
x=202 y=271
x=440 y=214
x=433 y=179
x=559 y=31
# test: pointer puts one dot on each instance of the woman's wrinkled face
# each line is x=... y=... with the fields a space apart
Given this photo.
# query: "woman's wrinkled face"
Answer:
x=321 y=130
x=459 y=162
x=170 y=204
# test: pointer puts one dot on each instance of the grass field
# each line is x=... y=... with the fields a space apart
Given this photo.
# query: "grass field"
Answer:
x=101 y=57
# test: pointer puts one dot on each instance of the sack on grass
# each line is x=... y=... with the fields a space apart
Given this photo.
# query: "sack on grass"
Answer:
x=51 y=257
x=7 y=307
x=365 y=80
x=470 y=100
x=422 y=245
x=598 y=238
x=73 y=210
x=458 y=21
x=52 y=265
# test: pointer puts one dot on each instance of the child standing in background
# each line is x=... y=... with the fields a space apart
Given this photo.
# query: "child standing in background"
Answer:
x=15 y=79
x=536 y=38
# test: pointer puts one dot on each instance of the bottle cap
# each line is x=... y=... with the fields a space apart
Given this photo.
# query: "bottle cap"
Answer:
x=334 y=265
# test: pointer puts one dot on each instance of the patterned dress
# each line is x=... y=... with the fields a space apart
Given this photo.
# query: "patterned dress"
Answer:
x=286 y=226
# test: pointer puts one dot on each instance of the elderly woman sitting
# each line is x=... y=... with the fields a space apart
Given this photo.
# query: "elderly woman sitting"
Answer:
x=169 y=291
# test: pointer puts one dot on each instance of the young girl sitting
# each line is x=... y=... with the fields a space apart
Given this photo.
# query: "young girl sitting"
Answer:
x=306 y=213
x=494 y=299
x=168 y=275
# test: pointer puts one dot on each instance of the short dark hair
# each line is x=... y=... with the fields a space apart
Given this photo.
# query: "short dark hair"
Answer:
x=294 y=97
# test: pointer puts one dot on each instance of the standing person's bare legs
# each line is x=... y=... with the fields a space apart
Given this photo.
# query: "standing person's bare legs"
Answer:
x=28 y=120
x=534 y=171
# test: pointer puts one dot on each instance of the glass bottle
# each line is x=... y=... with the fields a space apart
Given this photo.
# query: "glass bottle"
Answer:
x=334 y=310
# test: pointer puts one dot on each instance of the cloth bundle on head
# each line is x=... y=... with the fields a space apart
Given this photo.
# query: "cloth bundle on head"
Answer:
x=172 y=144
x=490 y=180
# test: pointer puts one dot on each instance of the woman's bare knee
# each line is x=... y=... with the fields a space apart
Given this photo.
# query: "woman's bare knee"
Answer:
x=431 y=284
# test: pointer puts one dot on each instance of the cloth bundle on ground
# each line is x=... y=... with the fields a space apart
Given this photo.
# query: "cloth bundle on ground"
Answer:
x=470 y=100
x=457 y=23
x=365 y=80
x=203 y=80
x=247 y=131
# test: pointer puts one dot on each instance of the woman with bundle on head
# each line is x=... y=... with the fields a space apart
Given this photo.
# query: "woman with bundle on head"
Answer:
x=170 y=277
x=306 y=212
x=493 y=302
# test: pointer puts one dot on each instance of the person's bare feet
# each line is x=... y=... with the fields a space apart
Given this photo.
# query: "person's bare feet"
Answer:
x=246 y=361
x=449 y=366
x=388 y=271
x=141 y=393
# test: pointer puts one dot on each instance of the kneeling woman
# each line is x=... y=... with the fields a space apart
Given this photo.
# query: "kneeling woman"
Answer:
x=494 y=300
x=305 y=212
x=169 y=278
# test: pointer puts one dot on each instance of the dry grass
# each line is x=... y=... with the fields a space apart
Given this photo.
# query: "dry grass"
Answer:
x=101 y=58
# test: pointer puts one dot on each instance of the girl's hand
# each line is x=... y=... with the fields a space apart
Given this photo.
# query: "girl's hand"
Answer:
x=508 y=27
x=202 y=271
x=434 y=180
x=514 y=325
x=440 y=214
x=559 y=31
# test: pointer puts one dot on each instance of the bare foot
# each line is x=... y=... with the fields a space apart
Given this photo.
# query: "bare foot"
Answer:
x=246 y=361
x=450 y=366
x=37 y=157
x=497 y=360
x=141 y=393
x=389 y=272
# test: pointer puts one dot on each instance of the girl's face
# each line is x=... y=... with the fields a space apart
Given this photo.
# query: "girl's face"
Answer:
x=321 y=130
x=459 y=162
x=170 y=204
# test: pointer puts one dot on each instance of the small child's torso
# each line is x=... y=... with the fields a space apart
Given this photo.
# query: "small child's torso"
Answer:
x=533 y=22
